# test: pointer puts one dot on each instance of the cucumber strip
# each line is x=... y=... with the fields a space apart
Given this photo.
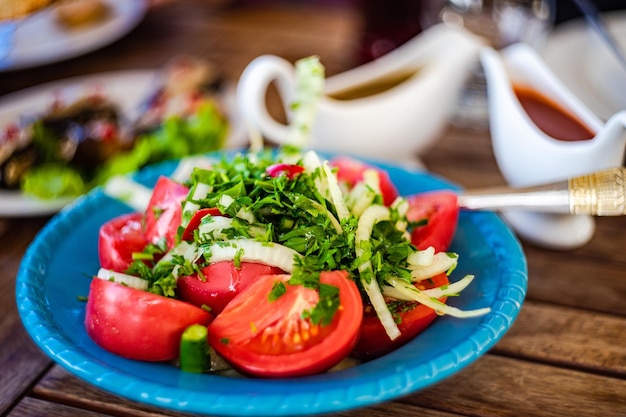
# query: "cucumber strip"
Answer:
x=195 y=355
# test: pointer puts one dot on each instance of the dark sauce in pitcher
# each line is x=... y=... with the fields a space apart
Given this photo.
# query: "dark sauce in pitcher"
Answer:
x=376 y=85
x=550 y=117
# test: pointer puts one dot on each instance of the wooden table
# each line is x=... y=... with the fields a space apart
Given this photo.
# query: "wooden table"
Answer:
x=565 y=354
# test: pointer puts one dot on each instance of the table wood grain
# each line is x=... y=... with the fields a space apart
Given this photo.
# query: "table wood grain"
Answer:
x=565 y=354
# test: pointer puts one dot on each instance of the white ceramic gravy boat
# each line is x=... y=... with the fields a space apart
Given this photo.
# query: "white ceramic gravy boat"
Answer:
x=527 y=156
x=395 y=124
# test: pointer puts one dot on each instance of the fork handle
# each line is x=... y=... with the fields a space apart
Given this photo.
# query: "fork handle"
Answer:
x=601 y=193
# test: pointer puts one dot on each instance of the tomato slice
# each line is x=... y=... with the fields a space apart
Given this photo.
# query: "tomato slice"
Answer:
x=350 y=171
x=137 y=324
x=197 y=219
x=271 y=338
x=118 y=239
x=373 y=340
x=222 y=282
x=164 y=212
x=441 y=211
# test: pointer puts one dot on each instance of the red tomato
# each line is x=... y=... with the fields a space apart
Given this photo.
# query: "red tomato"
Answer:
x=196 y=219
x=164 y=212
x=441 y=211
x=373 y=340
x=137 y=324
x=290 y=170
x=223 y=280
x=271 y=339
x=350 y=171
x=118 y=239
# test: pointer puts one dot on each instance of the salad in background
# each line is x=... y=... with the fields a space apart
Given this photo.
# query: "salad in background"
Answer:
x=75 y=146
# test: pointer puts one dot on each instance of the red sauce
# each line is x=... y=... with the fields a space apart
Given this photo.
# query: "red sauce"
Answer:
x=550 y=117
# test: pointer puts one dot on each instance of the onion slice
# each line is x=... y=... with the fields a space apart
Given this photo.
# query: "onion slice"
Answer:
x=441 y=262
x=123 y=188
x=250 y=250
x=336 y=194
x=412 y=293
x=124 y=279
x=372 y=215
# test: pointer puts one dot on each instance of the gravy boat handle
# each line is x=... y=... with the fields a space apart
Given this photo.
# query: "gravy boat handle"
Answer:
x=601 y=193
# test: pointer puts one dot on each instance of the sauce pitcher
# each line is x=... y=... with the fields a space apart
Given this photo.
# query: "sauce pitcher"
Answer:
x=391 y=108
x=527 y=155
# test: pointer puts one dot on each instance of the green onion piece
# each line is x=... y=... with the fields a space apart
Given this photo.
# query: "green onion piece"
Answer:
x=195 y=355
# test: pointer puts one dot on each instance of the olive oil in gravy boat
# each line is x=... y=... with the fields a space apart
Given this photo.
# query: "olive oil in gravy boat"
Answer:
x=527 y=156
x=389 y=109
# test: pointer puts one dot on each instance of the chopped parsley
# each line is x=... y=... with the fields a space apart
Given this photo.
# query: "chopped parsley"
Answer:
x=280 y=210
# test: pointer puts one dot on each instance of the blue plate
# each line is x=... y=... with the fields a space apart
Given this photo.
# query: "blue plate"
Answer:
x=55 y=273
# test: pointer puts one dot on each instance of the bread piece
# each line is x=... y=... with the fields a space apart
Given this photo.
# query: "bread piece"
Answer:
x=17 y=9
x=80 y=13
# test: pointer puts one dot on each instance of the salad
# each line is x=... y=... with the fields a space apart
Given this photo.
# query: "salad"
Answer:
x=278 y=264
x=78 y=144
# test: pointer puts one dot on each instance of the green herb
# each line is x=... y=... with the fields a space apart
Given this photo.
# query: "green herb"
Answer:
x=52 y=180
x=278 y=289
x=326 y=307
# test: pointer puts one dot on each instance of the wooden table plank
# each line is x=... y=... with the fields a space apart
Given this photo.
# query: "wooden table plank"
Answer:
x=58 y=386
x=30 y=407
x=21 y=362
x=531 y=388
x=503 y=387
x=586 y=278
x=568 y=337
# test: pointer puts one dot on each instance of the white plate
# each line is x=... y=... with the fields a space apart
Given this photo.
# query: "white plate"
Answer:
x=586 y=66
x=126 y=88
x=39 y=39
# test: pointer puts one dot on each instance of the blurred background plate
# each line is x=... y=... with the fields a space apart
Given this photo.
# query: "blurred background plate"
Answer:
x=125 y=88
x=39 y=39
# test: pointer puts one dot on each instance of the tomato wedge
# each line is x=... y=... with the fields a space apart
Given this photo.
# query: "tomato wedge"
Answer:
x=137 y=324
x=195 y=221
x=271 y=338
x=441 y=212
x=118 y=239
x=222 y=282
x=373 y=340
x=290 y=170
x=164 y=212
x=350 y=171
